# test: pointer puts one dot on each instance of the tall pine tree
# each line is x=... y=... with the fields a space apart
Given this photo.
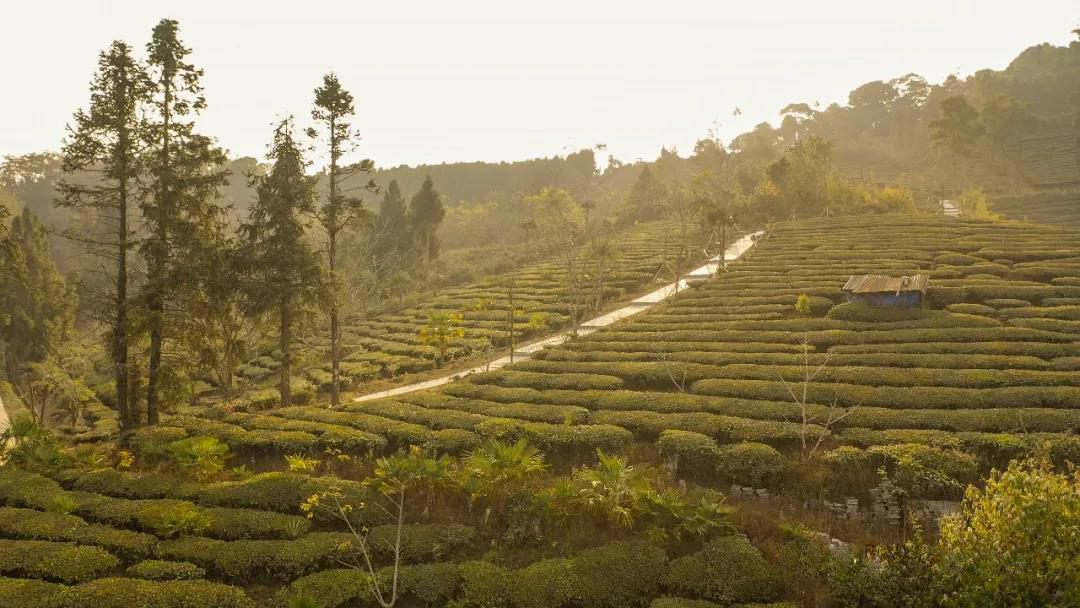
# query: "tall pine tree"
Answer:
x=282 y=271
x=334 y=110
x=185 y=170
x=426 y=212
x=107 y=139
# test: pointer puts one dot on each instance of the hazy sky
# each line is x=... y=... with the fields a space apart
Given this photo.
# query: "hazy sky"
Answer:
x=456 y=80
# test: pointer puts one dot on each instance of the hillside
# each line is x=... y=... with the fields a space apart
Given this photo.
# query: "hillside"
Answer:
x=697 y=387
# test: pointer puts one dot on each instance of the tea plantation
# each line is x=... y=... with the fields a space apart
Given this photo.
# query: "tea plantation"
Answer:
x=591 y=475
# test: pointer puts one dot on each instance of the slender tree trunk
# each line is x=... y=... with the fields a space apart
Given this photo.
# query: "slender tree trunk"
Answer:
x=335 y=328
x=159 y=256
x=120 y=337
x=286 y=356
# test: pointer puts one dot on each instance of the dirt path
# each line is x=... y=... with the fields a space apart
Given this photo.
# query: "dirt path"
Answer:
x=632 y=308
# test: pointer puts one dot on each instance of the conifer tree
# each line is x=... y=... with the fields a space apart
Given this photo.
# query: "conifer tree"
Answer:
x=107 y=139
x=39 y=304
x=646 y=197
x=426 y=212
x=282 y=272
x=185 y=170
x=394 y=239
x=334 y=109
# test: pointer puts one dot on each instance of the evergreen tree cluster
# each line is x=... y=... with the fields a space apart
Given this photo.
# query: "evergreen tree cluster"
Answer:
x=180 y=285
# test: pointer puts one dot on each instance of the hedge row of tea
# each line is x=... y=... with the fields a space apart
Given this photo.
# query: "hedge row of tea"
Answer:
x=388 y=345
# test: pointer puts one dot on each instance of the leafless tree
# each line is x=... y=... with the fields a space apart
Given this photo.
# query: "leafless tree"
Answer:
x=810 y=437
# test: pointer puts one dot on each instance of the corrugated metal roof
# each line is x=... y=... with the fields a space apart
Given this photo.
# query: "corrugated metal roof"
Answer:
x=879 y=283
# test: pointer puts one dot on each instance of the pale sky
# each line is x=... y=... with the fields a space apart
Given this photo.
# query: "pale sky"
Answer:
x=463 y=80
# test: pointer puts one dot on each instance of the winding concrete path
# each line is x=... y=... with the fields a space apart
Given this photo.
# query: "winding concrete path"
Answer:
x=632 y=308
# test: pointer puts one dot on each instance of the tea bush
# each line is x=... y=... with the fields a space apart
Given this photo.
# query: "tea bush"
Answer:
x=64 y=562
x=727 y=570
x=157 y=570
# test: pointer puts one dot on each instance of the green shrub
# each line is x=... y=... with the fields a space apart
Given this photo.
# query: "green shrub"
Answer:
x=559 y=440
x=820 y=305
x=283 y=492
x=972 y=309
x=1038 y=274
x=749 y=464
x=39 y=525
x=243 y=560
x=649 y=425
x=619 y=574
x=111 y=482
x=693 y=455
x=1006 y=303
x=326 y=589
x=158 y=570
x=930 y=397
x=64 y=562
x=136 y=593
x=261 y=399
x=153 y=440
x=435 y=419
x=802 y=304
x=573 y=381
x=420 y=542
x=30 y=593
x=398 y=433
x=486 y=585
x=861 y=311
x=957 y=259
x=727 y=570
x=429 y=584
x=926 y=471
x=679 y=602
x=451 y=441
x=236 y=524
x=202 y=457
x=301 y=391
x=180 y=520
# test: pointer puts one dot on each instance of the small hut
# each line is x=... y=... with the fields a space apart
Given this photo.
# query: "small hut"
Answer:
x=887 y=292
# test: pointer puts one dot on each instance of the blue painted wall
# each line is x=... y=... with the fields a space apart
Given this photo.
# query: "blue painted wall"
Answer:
x=905 y=299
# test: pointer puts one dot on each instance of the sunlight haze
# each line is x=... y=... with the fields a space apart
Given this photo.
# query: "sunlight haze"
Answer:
x=462 y=81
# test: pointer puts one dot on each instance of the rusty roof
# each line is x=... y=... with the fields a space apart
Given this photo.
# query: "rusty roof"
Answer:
x=878 y=283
